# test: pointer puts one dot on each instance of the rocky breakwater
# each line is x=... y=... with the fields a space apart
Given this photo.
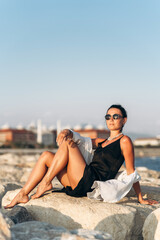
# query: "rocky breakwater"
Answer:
x=58 y=216
x=147 y=151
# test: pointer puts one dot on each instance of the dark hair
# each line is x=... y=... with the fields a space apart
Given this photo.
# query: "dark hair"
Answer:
x=123 y=111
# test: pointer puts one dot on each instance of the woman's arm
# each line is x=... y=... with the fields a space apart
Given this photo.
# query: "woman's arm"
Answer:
x=68 y=134
x=137 y=189
x=95 y=142
x=128 y=153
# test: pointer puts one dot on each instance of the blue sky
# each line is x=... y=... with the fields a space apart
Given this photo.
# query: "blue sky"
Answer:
x=70 y=60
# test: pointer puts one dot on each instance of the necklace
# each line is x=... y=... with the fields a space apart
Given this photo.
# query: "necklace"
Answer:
x=114 y=137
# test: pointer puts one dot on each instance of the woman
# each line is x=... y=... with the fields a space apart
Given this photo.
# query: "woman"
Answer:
x=69 y=165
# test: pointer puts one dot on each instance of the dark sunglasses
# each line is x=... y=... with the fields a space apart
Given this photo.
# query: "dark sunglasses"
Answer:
x=115 y=116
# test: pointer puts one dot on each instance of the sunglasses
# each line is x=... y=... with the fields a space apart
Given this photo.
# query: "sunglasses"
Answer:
x=115 y=116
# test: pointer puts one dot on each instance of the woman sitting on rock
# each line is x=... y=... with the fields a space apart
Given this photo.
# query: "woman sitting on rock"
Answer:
x=75 y=166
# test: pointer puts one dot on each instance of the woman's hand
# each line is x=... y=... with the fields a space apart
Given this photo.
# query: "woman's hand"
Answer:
x=64 y=135
x=148 y=201
x=142 y=200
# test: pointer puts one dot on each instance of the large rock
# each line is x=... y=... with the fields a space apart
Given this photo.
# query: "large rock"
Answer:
x=91 y=234
x=36 y=230
x=150 y=191
x=11 y=159
x=14 y=166
x=7 y=187
x=41 y=230
x=2 y=193
x=9 y=170
x=149 y=176
x=5 y=233
x=19 y=214
x=151 y=228
x=72 y=213
x=122 y=220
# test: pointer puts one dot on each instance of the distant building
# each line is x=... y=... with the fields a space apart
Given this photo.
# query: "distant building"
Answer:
x=43 y=135
x=47 y=138
x=93 y=133
x=17 y=136
x=54 y=135
x=147 y=142
x=38 y=131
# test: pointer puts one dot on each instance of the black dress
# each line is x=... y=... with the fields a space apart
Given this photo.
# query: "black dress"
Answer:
x=104 y=166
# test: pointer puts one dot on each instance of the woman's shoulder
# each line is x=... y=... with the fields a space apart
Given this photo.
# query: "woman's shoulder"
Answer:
x=125 y=140
x=126 y=146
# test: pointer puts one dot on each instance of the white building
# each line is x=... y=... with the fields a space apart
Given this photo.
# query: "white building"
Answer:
x=147 y=142
x=44 y=136
x=47 y=138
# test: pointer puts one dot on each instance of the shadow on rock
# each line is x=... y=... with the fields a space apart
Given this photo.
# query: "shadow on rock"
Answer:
x=51 y=216
x=121 y=226
x=151 y=228
x=36 y=230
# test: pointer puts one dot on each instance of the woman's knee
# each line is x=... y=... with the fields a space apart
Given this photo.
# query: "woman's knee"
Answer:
x=47 y=155
x=46 y=158
x=69 y=143
x=64 y=144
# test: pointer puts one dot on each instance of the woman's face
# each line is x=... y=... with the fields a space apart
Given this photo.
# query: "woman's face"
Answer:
x=115 y=124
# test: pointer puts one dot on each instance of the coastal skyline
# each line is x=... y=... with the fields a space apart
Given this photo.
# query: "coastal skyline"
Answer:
x=69 y=61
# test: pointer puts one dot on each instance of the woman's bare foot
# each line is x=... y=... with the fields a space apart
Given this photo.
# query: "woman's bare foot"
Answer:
x=42 y=188
x=21 y=197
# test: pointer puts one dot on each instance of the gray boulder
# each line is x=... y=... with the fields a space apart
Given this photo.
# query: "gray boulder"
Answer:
x=123 y=220
x=5 y=233
x=18 y=214
x=73 y=213
x=91 y=234
x=2 y=193
x=7 y=187
x=36 y=230
x=151 y=228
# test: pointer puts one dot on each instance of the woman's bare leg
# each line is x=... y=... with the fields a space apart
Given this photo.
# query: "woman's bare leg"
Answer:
x=38 y=172
x=63 y=177
x=67 y=156
x=43 y=164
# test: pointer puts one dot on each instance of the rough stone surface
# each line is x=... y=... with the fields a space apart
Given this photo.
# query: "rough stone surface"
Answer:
x=19 y=214
x=41 y=230
x=91 y=234
x=151 y=228
x=2 y=193
x=72 y=213
x=13 y=167
x=5 y=233
x=7 y=187
x=149 y=176
x=9 y=222
x=80 y=212
x=151 y=191
x=36 y=230
x=121 y=220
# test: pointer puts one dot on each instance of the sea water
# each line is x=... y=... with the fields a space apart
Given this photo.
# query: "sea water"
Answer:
x=152 y=163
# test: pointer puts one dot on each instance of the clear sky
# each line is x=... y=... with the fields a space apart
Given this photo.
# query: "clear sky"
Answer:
x=70 y=60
